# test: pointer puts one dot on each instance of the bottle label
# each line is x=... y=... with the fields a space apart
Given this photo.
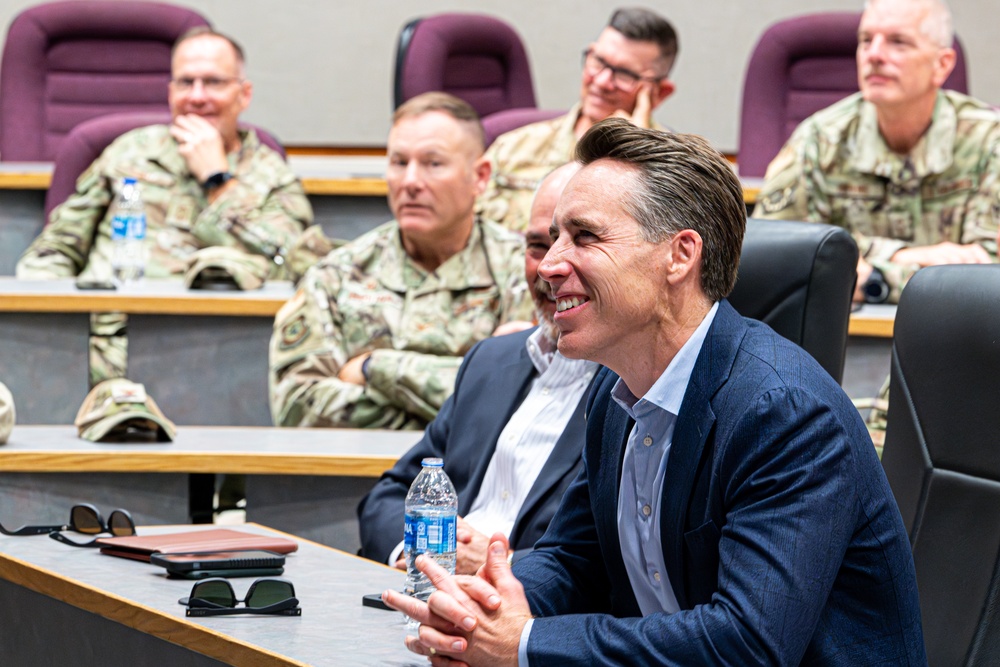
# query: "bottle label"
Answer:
x=128 y=226
x=429 y=534
x=119 y=227
x=137 y=226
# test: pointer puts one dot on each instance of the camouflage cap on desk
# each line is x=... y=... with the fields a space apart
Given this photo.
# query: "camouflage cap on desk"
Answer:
x=7 y=415
x=119 y=410
x=223 y=267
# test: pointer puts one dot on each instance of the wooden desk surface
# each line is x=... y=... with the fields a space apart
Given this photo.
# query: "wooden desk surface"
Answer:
x=873 y=320
x=334 y=628
x=212 y=449
x=343 y=175
x=150 y=297
x=170 y=297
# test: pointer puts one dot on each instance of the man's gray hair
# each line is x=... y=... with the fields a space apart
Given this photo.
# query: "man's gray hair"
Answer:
x=683 y=183
x=937 y=25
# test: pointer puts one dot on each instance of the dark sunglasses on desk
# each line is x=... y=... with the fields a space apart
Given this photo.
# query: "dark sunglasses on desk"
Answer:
x=83 y=518
x=87 y=519
x=215 y=597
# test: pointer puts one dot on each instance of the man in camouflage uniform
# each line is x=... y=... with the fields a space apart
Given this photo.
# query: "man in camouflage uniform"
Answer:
x=624 y=74
x=204 y=182
x=375 y=333
x=912 y=171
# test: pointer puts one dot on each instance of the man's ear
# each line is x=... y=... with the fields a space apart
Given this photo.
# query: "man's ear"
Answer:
x=662 y=90
x=685 y=254
x=482 y=169
x=943 y=65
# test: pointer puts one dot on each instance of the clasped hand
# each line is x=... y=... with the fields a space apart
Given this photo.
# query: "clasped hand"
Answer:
x=471 y=620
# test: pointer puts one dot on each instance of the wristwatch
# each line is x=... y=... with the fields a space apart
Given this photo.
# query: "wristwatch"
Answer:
x=217 y=180
x=875 y=289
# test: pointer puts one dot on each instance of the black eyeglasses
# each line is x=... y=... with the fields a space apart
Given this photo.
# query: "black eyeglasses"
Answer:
x=87 y=519
x=625 y=79
x=215 y=597
x=83 y=518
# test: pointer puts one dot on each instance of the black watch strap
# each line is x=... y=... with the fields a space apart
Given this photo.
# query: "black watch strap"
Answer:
x=217 y=180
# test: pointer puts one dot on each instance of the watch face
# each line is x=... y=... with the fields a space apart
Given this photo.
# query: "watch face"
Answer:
x=217 y=180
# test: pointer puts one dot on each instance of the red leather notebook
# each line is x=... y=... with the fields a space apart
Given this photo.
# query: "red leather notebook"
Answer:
x=219 y=539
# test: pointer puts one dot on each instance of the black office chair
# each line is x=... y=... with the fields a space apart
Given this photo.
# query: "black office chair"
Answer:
x=942 y=456
x=798 y=277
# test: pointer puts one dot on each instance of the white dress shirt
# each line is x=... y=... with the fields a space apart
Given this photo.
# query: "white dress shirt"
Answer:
x=528 y=438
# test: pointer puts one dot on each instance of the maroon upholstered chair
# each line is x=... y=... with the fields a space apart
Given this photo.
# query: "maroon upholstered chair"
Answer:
x=88 y=140
x=510 y=119
x=67 y=62
x=799 y=66
x=477 y=58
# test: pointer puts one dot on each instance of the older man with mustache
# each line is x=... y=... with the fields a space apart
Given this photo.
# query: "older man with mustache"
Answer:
x=911 y=170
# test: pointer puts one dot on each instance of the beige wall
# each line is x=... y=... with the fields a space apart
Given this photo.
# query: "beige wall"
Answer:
x=322 y=69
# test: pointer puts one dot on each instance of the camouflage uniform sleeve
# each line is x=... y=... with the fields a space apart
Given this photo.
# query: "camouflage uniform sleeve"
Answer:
x=981 y=222
x=792 y=185
x=264 y=212
x=62 y=249
x=307 y=352
x=494 y=203
x=413 y=382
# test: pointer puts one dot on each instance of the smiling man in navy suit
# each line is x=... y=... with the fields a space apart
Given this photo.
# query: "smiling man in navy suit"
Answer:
x=511 y=435
x=731 y=509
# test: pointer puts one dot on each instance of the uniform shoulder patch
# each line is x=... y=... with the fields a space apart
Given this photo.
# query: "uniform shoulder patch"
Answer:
x=293 y=333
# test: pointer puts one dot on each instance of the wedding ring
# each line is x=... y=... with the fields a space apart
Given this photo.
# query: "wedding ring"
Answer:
x=431 y=651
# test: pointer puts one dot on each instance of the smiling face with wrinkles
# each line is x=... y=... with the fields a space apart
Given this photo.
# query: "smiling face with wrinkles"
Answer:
x=609 y=283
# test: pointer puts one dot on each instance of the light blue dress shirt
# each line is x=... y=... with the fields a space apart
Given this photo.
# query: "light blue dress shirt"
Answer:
x=641 y=488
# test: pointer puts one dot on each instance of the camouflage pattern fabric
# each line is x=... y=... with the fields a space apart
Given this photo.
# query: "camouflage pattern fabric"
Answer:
x=836 y=168
x=368 y=296
x=263 y=213
x=520 y=159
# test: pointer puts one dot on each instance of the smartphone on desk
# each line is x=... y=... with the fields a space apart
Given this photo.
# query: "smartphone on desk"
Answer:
x=221 y=564
x=94 y=284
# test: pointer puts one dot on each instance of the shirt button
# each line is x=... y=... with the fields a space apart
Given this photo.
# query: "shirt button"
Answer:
x=647 y=441
x=545 y=392
x=656 y=575
x=506 y=494
x=646 y=510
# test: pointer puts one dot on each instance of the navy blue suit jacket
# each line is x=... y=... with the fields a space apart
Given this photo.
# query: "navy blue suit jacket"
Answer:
x=779 y=531
x=493 y=380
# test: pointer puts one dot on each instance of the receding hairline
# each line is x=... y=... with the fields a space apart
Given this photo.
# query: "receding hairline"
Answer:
x=204 y=32
x=938 y=25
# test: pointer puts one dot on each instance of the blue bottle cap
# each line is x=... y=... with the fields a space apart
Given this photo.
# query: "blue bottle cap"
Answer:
x=432 y=463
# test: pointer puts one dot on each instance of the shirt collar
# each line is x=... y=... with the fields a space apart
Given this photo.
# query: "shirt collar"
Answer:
x=931 y=155
x=467 y=268
x=667 y=393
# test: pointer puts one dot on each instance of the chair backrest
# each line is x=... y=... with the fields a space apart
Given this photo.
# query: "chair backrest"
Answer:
x=798 y=277
x=942 y=455
x=477 y=58
x=510 y=119
x=799 y=66
x=88 y=140
x=67 y=62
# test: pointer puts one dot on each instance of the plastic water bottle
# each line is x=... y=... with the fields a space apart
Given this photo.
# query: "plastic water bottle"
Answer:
x=431 y=512
x=128 y=235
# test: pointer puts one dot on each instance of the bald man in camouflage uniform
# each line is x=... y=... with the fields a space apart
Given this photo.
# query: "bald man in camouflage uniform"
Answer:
x=912 y=171
x=625 y=73
x=204 y=183
x=375 y=333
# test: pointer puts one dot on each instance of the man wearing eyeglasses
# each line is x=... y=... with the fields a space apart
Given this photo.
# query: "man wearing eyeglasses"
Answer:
x=204 y=182
x=625 y=73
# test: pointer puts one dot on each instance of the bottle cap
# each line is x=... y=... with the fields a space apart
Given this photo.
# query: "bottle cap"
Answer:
x=432 y=463
x=129 y=180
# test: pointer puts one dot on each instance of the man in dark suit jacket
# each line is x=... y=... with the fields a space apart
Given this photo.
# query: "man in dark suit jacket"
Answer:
x=731 y=509
x=494 y=380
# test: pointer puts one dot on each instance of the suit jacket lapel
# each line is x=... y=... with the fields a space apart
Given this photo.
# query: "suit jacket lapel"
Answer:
x=565 y=454
x=510 y=379
x=694 y=423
